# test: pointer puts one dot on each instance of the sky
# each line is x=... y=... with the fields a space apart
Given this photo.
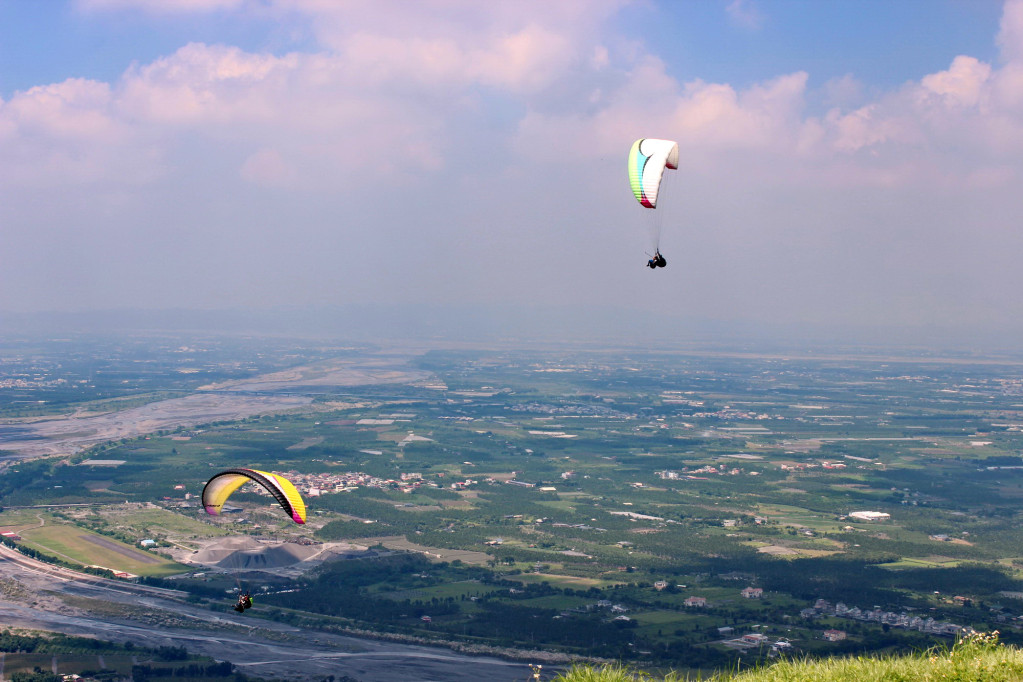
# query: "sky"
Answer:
x=847 y=165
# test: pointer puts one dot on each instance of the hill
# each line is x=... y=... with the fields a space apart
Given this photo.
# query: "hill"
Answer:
x=978 y=658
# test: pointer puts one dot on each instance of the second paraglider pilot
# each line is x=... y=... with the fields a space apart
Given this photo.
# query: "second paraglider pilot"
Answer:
x=657 y=261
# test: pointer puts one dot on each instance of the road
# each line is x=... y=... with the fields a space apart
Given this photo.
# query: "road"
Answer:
x=256 y=646
x=10 y=558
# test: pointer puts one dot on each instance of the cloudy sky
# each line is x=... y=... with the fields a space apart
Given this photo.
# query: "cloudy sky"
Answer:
x=845 y=163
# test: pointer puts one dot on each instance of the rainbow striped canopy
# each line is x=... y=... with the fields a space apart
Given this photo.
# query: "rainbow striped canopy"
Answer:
x=647 y=160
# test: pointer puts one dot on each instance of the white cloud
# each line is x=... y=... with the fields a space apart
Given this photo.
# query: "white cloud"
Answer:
x=516 y=116
x=1010 y=35
x=74 y=109
x=962 y=84
x=203 y=85
x=411 y=74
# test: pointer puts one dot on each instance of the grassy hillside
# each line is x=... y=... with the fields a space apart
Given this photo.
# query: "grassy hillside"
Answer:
x=979 y=658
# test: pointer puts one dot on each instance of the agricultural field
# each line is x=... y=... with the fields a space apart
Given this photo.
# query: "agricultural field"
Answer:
x=602 y=494
x=77 y=545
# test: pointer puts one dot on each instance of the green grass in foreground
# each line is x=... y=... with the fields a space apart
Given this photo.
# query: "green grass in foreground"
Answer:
x=977 y=658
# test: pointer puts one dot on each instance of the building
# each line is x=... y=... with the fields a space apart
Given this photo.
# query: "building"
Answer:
x=834 y=635
x=660 y=585
x=753 y=593
x=871 y=516
x=695 y=601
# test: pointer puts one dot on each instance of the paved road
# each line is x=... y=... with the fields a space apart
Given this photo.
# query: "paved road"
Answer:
x=260 y=647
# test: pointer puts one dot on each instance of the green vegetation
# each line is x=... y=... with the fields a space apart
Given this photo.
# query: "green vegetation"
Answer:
x=92 y=549
x=587 y=503
x=29 y=656
x=974 y=659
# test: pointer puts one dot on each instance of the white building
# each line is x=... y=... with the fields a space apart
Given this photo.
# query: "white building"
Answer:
x=870 y=516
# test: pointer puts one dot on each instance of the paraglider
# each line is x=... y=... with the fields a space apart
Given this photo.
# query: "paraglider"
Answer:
x=244 y=599
x=657 y=261
x=244 y=602
x=648 y=159
x=220 y=487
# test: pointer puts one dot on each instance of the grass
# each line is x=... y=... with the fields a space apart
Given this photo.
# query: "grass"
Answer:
x=16 y=520
x=975 y=658
x=66 y=663
x=90 y=549
x=149 y=520
x=558 y=580
x=925 y=562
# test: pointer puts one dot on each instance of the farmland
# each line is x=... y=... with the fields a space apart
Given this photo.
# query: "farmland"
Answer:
x=620 y=504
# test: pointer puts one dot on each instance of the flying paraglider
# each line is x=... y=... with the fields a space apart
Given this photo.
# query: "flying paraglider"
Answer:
x=220 y=487
x=657 y=261
x=648 y=159
x=244 y=602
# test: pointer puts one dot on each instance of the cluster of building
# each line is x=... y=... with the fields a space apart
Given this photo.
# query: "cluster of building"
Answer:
x=37 y=382
x=617 y=610
x=700 y=602
x=734 y=414
x=578 y=526
x=754 y=639
x=574 y=410
x=871 y=516
x=690 y=474
x=314 y=485
x=822 y=607
x=827 y=465
x=317 y=484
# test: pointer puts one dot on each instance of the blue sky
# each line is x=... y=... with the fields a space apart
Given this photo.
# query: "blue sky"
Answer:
x=882 y=43
x=847 y=164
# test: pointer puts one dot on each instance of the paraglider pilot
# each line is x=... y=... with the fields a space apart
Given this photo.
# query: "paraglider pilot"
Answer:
x=657 y=261
x=244 y=602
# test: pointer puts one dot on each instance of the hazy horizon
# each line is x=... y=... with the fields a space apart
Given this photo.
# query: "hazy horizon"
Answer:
x=508 y=327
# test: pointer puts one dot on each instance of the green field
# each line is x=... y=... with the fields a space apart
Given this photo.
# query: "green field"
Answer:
x=716 y=471
x=67 y=664
x=78 y=545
